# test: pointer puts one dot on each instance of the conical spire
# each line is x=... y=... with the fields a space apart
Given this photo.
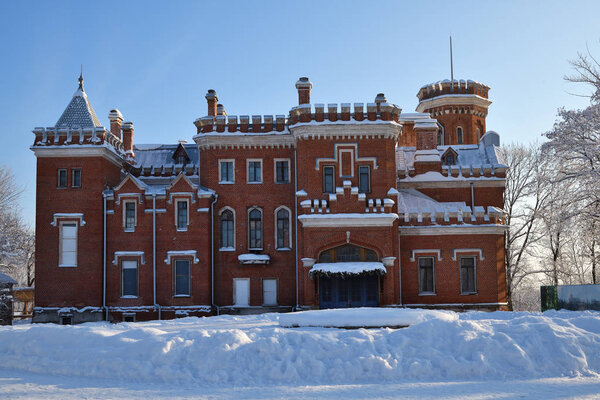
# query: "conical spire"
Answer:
x=79 y=112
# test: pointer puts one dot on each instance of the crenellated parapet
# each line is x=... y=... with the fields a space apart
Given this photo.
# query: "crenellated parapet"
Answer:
x=445 y=87
x=72 y=136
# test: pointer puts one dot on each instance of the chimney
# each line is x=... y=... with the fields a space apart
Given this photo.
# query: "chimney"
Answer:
x=427 y=157
x=128 y=139
x=211 y=99
x=221 y=110
x=116 y=118
x=380 y=98
x=303 y=85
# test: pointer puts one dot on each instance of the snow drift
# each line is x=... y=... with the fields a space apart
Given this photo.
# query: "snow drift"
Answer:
x=254 y=350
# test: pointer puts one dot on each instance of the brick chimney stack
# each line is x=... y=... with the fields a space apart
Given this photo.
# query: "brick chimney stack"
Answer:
x=116 y=118
x=304 y=86
x=212 y=99
x=221 y=110
x=380 y=98
x=427 y=157
x=128 y=139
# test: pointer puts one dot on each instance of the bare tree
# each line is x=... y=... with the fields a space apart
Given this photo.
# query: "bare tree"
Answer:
x=524 y=198
x=17 y=246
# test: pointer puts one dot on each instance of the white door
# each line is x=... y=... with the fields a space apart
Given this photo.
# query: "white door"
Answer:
x=270 y=292
x=241 y=291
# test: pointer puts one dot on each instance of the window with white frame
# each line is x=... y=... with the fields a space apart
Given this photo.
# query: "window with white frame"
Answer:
x=255 y=230
x=426 y=275
x=76 y=177
x=182 y=278
x=129 y=215
x=282 y=171
x=226 y=171
x=61 y=179
x=254 y=168
x=227 y=229
x=468 y=275
x=282 y=231
x=364 y=179
x=329 y=179
x=68 y=244
x=181 y=214
x=459 y=135
x=129 y=278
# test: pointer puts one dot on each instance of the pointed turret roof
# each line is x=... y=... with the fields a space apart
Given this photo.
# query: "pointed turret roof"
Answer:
x=79 y=112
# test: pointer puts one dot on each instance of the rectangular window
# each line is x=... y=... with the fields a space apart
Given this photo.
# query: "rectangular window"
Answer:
x=129 y=278
x=182 y=277
x=62 y=178
x=254 y=171
x=426 y=275
x=282 y=171
x=68 y=245
x=76 y=177
x=226 y=171
x=364 y=179
x=269 y=292
x=182 y=215
x=468 y=277
x=129 y=216
x=329 y=179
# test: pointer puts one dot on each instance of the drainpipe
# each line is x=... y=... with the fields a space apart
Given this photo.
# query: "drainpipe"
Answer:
x=212 y=254
x=104 y=258
x=399 y=258
x=296 y=222
x=154 y=256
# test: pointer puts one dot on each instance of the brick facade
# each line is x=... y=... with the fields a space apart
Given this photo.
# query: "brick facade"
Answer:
x=367 y=185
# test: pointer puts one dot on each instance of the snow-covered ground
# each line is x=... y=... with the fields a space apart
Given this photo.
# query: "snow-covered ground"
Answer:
x=442 y=354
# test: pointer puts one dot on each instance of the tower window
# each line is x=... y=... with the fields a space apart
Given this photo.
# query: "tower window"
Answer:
x=459 y=135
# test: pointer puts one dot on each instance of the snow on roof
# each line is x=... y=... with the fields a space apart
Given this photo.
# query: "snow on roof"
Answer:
x=413 y=201
x=469 y=155
x=78 y=113
x=161 y=155
x=348 y=268
x=7 y=279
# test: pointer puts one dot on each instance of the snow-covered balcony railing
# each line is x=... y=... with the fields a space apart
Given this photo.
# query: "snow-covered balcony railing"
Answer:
x=254 y=258
x=371 y=205
x=347 y=268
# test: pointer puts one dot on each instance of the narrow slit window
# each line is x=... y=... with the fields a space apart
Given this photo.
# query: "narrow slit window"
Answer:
x=283 y=229
x=328 y=179
x=129 y=216
x=76 y=178
x=255 y=239
x=68 y=245
x=182 y=277
x=182 y=215
x=364 y=179
x=459 y=135
x=129 y=278
x=227 y=226
x=62 y=178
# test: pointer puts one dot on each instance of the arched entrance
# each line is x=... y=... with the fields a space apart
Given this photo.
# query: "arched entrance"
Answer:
x=348 y=276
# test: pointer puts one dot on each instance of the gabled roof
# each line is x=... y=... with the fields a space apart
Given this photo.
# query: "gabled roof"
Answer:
x=79 y=112
x=161 y=155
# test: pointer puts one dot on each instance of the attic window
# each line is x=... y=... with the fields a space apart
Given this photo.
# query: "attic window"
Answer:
x=449 y=157
x=181 y=159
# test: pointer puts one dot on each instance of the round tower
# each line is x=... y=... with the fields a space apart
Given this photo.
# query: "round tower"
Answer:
x=460 y=107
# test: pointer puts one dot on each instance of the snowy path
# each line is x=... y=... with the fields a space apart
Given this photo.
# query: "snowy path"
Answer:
x=442 y=354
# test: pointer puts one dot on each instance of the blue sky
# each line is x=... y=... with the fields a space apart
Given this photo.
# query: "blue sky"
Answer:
x=155 y=60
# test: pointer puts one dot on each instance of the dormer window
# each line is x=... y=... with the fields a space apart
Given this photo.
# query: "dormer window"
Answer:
x=181 y=159
x=450 y=157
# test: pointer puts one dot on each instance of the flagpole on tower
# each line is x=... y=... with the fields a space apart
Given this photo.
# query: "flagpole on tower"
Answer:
x=451 y=66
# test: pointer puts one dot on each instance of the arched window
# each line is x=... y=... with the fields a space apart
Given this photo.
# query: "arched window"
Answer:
x=459 y=135
x=255 y=236
x=227 y=229
x=347 y=252
x=282 y=232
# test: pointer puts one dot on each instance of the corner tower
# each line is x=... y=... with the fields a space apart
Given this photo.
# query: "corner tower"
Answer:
x=459 y=106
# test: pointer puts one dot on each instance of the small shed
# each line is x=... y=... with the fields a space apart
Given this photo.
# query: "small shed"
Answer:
x=6 y=299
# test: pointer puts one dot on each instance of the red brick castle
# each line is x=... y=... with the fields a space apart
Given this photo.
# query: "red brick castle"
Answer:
x=330 y=206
